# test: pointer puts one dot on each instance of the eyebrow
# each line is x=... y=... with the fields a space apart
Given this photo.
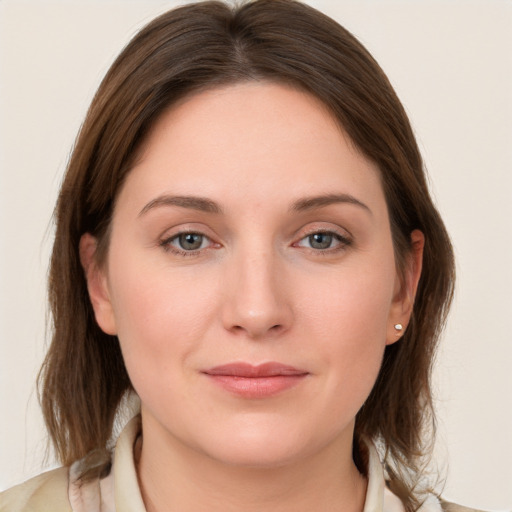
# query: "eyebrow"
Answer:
x=310 y=203
x=191 y=202
x=203 y=204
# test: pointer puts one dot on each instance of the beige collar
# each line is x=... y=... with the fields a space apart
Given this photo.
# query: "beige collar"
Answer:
x=120 y=491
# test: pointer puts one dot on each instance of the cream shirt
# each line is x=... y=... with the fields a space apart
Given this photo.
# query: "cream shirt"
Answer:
x=60 y=490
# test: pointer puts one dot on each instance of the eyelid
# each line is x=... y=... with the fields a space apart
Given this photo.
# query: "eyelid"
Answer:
x=323 y=227
x=178 y=237
x=344 y=238
x=340 y=238
x=168 y=236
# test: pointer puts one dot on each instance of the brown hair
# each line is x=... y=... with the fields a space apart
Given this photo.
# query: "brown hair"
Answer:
x=205 y=45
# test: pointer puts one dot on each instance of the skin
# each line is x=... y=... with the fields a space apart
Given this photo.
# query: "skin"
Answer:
x=258 y=289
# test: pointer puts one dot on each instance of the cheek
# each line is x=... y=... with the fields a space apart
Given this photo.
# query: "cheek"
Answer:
x=351 y=304
x=159 y=313
x=348 y=319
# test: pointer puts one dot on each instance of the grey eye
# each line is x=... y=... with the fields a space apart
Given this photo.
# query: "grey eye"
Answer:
x=320 y=240
x=190 y=241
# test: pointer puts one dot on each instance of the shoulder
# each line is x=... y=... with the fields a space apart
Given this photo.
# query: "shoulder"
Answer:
x=47 y=492
x=430 y=503
x=453 y=507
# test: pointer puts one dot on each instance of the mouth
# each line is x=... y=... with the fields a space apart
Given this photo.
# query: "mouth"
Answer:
x=260 y=381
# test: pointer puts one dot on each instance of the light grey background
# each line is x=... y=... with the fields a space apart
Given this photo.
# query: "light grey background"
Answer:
x=451 y=63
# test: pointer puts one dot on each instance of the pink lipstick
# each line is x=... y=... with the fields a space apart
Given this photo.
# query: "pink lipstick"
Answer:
x=259 y=381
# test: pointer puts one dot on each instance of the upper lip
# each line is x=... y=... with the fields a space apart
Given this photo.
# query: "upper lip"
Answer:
x=271 y=369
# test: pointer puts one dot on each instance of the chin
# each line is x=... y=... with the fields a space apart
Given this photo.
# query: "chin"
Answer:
x=264 y=448
x=257 y=456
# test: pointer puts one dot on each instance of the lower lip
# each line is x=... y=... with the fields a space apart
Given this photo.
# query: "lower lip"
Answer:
x=257 y=387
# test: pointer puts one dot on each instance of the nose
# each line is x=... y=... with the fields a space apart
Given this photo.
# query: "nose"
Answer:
x=257 y=301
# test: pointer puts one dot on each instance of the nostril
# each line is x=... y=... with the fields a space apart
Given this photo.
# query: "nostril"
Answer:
x=276 y=327
x=257 y=332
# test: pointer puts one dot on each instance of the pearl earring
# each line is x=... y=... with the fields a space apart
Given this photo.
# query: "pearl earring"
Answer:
x=399 y=328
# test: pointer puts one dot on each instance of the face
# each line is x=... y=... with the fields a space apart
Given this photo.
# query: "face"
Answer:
x=250 y=277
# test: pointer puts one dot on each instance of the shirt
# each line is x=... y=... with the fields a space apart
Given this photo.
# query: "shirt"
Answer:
x=60 y=490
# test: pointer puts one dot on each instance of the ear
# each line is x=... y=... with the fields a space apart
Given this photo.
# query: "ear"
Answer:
x=97 y=285
x=405 y=289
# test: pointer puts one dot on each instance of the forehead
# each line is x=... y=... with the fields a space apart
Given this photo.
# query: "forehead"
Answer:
x=265 y=141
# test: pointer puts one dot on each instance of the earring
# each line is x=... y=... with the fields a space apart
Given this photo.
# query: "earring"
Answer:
x=399 y=328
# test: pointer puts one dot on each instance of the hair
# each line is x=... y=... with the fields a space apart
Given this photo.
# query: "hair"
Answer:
x=202 y=46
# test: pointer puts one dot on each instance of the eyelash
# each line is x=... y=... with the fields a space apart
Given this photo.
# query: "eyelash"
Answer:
x=343 y=240
x=167 y=247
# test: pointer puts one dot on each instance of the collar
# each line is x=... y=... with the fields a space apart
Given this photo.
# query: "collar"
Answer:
x=120 y=490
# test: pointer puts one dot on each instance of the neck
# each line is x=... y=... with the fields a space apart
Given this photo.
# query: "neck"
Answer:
x=174 y=476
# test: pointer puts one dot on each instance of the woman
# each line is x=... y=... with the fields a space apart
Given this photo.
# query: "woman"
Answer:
x=246 y=242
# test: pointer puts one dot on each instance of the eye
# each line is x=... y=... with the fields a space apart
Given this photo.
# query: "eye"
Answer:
x=189 y=241
x=324 y=241
x=186 y=242
x=320 y=240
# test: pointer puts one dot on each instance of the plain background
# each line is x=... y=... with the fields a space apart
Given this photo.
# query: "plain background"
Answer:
x=451 y=64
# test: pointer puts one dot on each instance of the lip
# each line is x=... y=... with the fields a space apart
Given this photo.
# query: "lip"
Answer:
x=256 y=381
